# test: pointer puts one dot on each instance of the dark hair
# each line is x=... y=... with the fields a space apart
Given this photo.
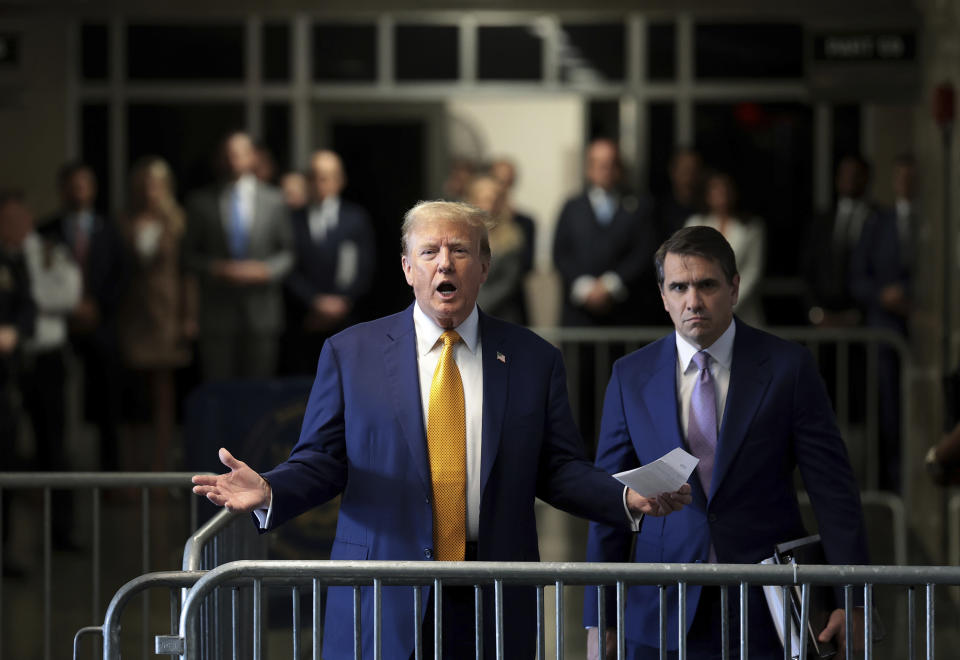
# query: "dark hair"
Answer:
x=71 y=167
x=698 y=241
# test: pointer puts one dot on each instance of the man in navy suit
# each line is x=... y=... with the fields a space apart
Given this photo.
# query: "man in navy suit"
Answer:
x=603 y=245
x=753 y=408
x=364 y=434
x=334 y=267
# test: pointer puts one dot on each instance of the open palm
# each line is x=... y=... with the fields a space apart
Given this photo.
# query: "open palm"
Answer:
x=241 y=489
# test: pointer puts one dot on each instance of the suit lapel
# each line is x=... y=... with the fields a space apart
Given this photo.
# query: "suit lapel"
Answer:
x=660 y=396
x=749 y=378
x=400 y=360
x=495 y=383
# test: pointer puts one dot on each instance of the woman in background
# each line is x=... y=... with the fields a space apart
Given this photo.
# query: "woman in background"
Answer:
x=502 y=294
x=158 y=314
x=745 y=235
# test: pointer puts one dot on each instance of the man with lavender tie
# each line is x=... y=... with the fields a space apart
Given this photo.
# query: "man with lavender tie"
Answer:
x=753 y=409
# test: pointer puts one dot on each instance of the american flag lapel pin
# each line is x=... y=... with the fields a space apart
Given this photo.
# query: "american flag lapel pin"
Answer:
x=501 y=357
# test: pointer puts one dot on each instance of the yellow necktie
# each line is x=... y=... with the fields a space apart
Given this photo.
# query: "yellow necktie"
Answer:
x=447 y=446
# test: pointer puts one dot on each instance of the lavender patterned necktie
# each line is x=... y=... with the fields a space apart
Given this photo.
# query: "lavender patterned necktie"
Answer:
x=702 y=426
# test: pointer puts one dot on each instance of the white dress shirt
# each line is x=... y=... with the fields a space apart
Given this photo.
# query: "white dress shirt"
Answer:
x=468 y=354
x=721 y=353
x=323 y=218
x=56 y=286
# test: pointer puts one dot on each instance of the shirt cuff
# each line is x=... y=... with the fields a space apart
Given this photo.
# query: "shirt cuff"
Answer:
x=581 y=288
x=613 y=284
x=634 y=520
x=264 y=515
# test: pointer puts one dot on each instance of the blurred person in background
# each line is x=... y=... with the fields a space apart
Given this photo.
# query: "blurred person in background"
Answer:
x=502 y=293
x=17 y=318
x=830 y=243
x=56 y=288
x=686 y=192
x=505 y=171
x=744 y=234
x=881 y=278
x=296 y=190
x=95 y=245
x=461 y=173
x=238 y=244
x=603 y=248
x=265 y=166
x=335 y=261
x=157 y=321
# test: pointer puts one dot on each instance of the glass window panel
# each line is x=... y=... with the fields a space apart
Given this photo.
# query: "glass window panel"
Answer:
x=756 y=50
x=276 y=134
x=345 y=52
x=95 y=147
x=660 y=143
x=94 y=51
x=593 y=51
x=276 y=52
x=187 y=135
x=427 y=52
x=509 y=53
x=662 y=51
x=604 y=118
x=186 y=52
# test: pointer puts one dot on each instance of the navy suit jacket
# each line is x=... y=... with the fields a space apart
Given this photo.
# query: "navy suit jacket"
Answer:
x=878 y=261
x=363 y=437
x=583 y=246
x=777 y=418
x=314 y=271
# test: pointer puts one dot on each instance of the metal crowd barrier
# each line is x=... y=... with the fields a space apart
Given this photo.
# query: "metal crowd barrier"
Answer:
x=96 y=482
x=314 y=575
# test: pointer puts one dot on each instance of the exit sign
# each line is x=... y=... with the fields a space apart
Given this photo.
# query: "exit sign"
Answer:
x=865 y=47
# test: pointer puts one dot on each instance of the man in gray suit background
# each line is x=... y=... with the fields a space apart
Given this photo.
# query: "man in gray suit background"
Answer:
x=239 y=244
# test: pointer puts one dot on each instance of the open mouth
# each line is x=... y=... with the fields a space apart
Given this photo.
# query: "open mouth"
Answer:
x=446 y=290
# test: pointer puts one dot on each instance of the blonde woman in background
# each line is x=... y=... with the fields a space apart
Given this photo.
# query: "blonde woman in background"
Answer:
x=158 y=314
x=502 y=293
x=745 y=235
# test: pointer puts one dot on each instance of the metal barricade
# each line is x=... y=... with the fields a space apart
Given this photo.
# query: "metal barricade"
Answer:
x=96 y=483
x=380 y=574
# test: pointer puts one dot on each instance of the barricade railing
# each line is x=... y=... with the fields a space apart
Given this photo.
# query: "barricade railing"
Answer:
x=96 y=483
x=379 y=574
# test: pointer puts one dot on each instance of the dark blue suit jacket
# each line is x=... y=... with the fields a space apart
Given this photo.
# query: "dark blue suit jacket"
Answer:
x=363 y=436
x=777 y=418
x=878 y=261
x=314 y=271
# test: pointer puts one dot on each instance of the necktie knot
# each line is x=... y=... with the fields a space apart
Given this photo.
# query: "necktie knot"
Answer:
x=450 y=338
x=702 y=360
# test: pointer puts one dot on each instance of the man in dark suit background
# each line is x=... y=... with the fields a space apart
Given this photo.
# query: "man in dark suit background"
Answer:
x=604 y=242
x=334 y=268
x=880 y=279
x=238 y=242
x=439 y=426
x=95 y=244
x=685 y=198
x=753 y=409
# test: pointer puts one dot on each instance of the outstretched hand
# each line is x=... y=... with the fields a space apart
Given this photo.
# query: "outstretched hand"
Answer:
x=241 y=489
x=660 y=505
x=836 y=630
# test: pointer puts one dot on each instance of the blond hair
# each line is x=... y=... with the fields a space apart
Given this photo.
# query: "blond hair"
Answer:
x=457 y=212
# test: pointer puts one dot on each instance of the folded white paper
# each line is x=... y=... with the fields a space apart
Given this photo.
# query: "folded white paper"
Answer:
x=664 y=475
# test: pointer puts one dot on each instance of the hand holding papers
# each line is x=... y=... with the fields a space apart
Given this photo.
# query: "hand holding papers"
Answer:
x=660 y=487
x=664 y=475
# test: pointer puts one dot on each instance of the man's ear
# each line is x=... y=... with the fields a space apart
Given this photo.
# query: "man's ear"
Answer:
x=735 y=294
x=407 y=268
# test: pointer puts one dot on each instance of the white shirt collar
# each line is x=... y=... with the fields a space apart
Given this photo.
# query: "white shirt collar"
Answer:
x=246 y=183
x=721 y=350
x=428 y=332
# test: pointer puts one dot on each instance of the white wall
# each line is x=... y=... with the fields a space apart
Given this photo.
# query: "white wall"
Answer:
x=544 y=137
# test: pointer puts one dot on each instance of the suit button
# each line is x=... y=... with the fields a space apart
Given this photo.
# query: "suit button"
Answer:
x=712 y=518
x=428 y=553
